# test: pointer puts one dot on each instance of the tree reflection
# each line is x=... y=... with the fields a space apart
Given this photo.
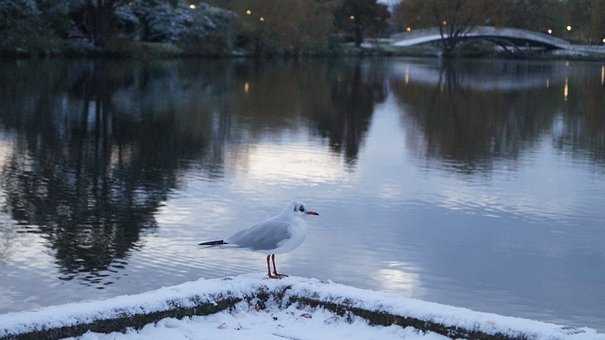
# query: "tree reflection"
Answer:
x=354 y=92
x=471 y=114
x=100 y=145
x=335 y=100
x=580 y=132
x=88 y=171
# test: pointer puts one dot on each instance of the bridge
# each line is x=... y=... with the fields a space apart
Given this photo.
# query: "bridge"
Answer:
x=514 y=37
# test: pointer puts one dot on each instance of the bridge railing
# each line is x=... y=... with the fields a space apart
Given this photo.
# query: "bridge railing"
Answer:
x=432 y=34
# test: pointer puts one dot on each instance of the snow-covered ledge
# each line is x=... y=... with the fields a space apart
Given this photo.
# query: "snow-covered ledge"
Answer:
x=204 y=297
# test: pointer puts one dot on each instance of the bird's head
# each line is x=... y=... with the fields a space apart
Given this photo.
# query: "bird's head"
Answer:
x=299 y=209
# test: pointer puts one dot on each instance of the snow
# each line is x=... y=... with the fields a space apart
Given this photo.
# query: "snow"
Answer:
x=429 y=35
x=172 y=22
x=245 y=323
x=19 y=7
x=208 y=291
x=443 y=314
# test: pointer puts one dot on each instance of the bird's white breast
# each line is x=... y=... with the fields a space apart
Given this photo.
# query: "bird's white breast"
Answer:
x=298 y=232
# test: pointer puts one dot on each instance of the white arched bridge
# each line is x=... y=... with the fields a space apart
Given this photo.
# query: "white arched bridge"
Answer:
x=500 y=35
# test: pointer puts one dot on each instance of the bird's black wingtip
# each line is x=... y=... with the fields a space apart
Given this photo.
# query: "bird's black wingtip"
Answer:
x=212 y=243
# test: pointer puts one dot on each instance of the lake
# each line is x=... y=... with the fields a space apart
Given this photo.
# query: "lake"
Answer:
x=475 y=183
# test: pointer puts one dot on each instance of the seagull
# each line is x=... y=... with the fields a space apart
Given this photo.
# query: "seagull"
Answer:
x=278 y=235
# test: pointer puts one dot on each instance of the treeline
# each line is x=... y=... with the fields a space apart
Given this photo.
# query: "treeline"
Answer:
x=95 y=26
x=258 y=27
x=299 y=25
x=215 y=27
x=582 y=21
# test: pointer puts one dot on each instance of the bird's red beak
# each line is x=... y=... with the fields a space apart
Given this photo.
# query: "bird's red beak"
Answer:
x=311 y=212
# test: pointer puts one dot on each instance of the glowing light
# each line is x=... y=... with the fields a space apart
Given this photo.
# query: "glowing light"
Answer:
x=408 y=29
x=246 y=87
x=603 y=40
x=262 y=19
x=352 y=17
x=549 y=31
x=566 y=89
x=568 y=28
x=248 y=12
x=603 y=75
x=192 y=6
x=547 y=83
x=444 y=22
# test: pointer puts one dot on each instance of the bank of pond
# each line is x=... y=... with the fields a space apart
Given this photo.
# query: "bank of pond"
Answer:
x=291 y=299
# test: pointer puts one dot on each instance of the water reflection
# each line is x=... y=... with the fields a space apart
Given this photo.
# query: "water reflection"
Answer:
x=344 y=116
x=472 y=114
x=85 y=171
x=336 y=100
x=100 y=145
x=442 y=181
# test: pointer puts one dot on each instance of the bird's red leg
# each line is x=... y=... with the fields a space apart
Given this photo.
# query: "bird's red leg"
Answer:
x=278 y=275
x=269 y=269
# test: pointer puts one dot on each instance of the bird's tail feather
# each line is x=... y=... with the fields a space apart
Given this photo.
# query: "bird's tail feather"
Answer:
x=212 y=243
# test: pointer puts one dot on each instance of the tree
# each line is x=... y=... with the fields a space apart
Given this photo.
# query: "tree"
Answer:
x=578 y=13
x=533 y=15
x=361 y=17
x=597 y=22
x=586 y=17
x=285 y=26
x=19 y=21
x=454 y=18
x=98 y=20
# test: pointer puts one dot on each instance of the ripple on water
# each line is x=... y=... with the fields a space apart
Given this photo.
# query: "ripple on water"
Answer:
x=456 y=194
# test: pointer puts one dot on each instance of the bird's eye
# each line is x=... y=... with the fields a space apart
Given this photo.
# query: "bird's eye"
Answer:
x=302 y=208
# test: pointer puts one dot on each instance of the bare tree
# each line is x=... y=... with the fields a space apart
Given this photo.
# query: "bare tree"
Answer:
x=361 y=17
x=454 y=18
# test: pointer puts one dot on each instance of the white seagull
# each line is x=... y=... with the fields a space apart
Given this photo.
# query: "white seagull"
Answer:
x=277 y=235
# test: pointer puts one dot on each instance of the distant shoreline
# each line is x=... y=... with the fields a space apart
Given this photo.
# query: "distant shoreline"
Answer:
x=159 y=51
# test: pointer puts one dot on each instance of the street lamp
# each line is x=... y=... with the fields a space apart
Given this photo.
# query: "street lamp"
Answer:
x=408 y=29
x=568 y=28
x=549 y=31
x=444 y=22
x=248 y=12
x=192 y=6
x=352 y=17
x=603 y=40
x=262 y=19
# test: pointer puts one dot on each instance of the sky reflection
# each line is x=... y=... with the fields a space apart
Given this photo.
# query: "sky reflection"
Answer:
x=469 y=183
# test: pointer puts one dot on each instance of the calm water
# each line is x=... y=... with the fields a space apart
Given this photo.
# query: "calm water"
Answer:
x=478 y=184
